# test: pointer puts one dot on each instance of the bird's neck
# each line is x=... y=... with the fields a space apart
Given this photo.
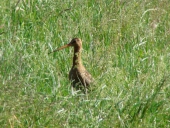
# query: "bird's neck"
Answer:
x=77 y=56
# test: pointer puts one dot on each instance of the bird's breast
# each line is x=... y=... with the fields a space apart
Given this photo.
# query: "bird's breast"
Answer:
x=79 y=75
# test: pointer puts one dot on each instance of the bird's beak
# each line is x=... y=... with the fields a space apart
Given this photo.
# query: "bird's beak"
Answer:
x=65 y=46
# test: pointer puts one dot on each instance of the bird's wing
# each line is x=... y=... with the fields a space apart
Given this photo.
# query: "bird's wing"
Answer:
x=87 y=78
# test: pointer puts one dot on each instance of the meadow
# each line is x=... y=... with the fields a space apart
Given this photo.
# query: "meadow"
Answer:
x=126 y=48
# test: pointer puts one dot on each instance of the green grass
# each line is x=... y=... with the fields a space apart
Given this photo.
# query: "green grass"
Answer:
x=125 y=48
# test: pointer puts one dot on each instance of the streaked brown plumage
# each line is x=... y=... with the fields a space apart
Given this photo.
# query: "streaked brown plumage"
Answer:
x=78 y=74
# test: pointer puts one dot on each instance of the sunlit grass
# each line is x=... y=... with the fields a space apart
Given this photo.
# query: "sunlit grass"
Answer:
x=125 y=48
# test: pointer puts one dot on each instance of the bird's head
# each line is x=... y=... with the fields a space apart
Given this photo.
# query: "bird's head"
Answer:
x=75 y=42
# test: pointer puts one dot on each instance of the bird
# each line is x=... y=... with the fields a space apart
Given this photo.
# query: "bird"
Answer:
x=80 y=78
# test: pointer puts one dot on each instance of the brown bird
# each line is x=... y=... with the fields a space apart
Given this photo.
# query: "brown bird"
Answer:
x=78 y=75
